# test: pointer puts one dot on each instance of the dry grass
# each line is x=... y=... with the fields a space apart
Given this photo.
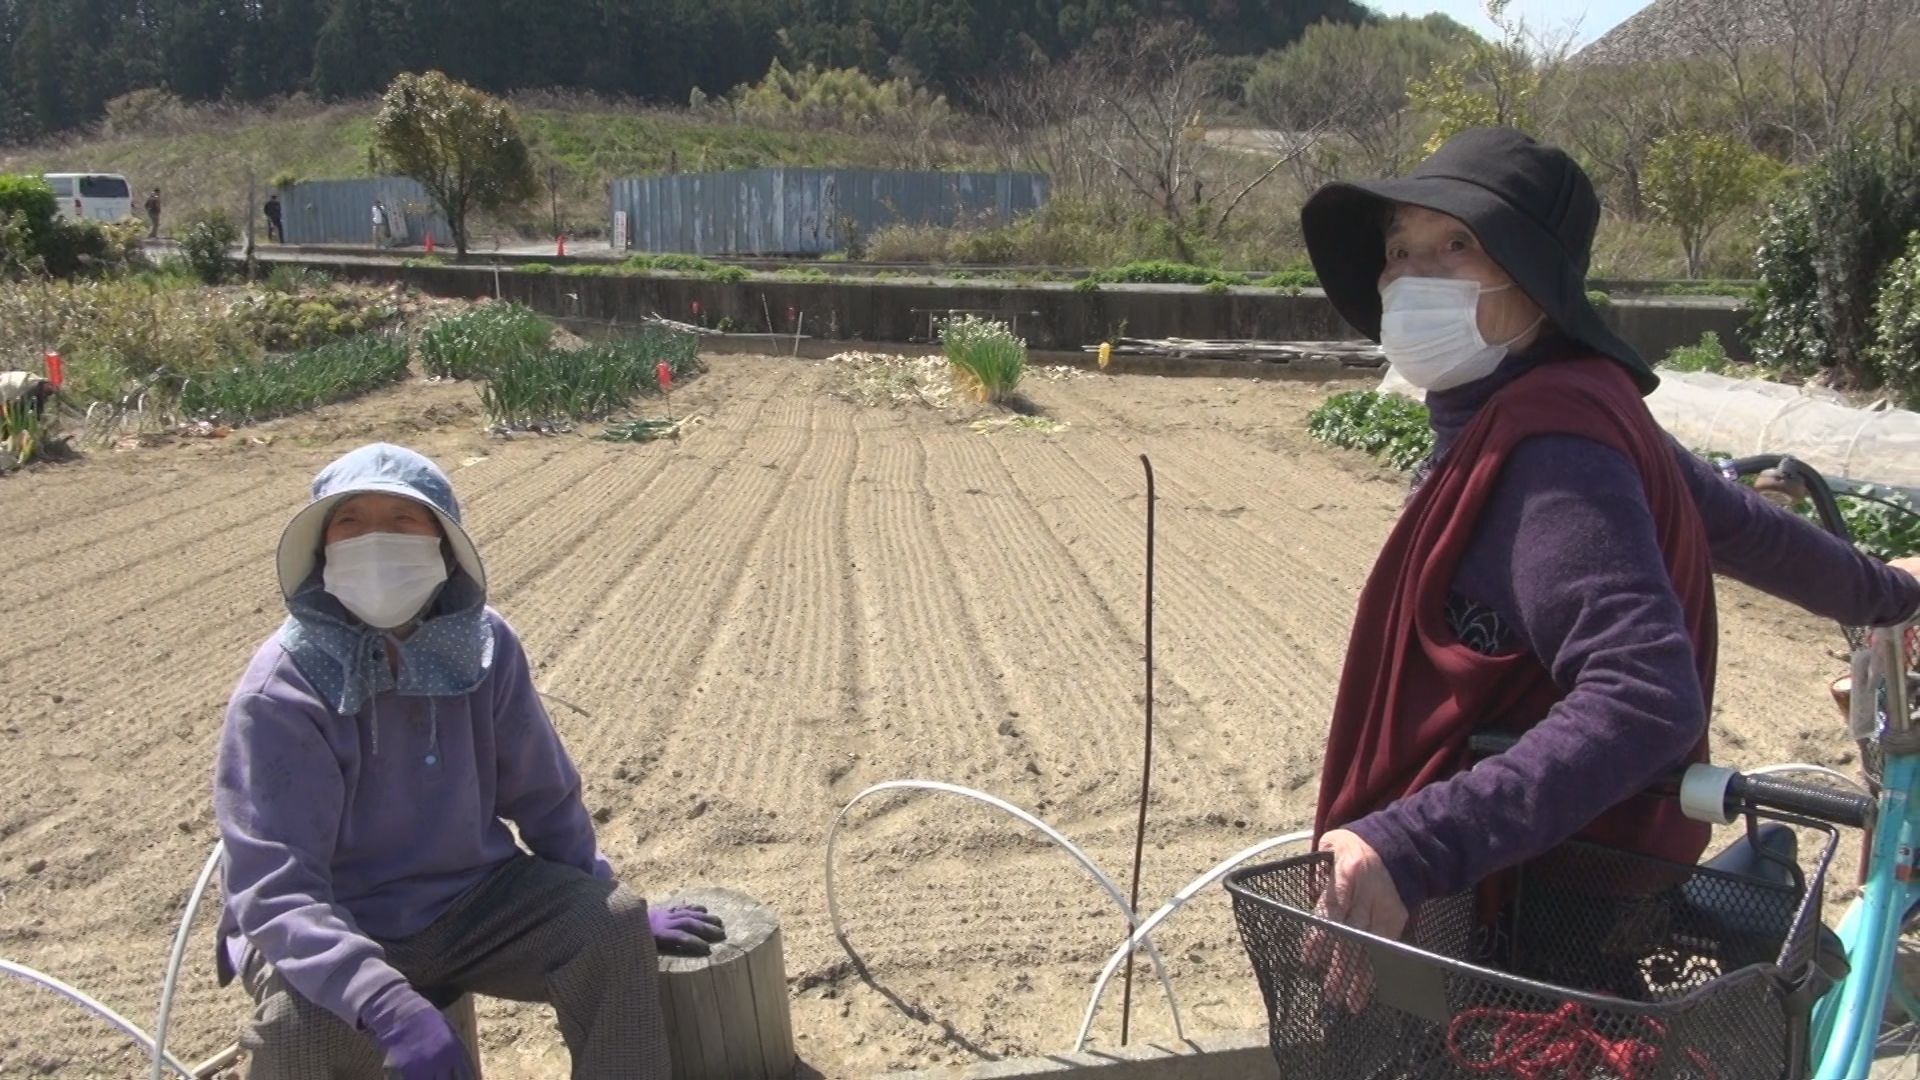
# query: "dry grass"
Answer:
x=1650 y=250
x=883 y=380
x=199 y=155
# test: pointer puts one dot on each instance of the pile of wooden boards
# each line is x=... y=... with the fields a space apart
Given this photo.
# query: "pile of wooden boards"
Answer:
x=1344 y=353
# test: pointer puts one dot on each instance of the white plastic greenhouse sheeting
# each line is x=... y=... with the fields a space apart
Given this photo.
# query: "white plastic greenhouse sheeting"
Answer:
x=1751 y=416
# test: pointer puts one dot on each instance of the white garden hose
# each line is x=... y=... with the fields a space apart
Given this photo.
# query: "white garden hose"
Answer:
x=172 y=980
x=1144 y=935
x=81 y=999
x=1113 y=891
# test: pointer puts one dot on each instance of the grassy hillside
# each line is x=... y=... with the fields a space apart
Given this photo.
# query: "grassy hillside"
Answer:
x=199 y=157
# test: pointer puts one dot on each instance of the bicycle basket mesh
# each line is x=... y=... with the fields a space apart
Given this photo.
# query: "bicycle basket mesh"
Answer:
x=1602 y=966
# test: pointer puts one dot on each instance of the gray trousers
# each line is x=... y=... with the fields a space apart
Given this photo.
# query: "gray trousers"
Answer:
x=535 y=931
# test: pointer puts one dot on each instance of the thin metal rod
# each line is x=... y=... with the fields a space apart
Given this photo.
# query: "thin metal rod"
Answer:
x=1146 y=772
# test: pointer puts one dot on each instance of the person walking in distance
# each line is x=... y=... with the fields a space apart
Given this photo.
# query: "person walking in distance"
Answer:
x=276 y=231
x=153 y=215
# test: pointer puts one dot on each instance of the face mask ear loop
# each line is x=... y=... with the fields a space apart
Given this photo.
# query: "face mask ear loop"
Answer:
x=1531 y=327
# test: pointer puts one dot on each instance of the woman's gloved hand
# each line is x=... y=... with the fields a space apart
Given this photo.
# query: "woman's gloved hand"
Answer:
x=685 y=931
x=416 y=1038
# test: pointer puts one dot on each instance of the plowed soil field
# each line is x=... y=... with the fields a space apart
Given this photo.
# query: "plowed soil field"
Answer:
x=802 y=598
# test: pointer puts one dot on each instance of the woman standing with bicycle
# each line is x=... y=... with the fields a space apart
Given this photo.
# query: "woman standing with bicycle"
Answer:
x=1551 y=575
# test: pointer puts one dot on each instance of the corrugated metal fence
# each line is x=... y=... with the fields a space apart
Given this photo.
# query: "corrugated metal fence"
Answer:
x=341 y=212
x=807 y=211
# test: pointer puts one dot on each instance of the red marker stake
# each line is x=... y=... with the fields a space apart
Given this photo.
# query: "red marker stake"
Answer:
x=664 y=374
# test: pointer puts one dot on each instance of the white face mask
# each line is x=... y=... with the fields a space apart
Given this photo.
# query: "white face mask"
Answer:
x=1430 y=331
x=385 y=578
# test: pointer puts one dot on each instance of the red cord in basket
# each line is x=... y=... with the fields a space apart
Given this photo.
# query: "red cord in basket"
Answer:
x=1560 y=1045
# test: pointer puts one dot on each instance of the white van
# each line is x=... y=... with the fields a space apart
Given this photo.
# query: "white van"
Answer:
x=91 y=196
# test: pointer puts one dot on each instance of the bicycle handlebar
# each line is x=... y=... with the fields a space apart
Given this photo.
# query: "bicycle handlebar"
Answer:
x=1804 y=800
x=1743 y=794
x=1818 y=490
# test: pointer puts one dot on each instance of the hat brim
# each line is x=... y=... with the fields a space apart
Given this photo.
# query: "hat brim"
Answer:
x=300 y=541
x=1345 y=224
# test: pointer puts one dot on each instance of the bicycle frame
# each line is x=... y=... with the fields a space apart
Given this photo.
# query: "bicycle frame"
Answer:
x=1846 y=1021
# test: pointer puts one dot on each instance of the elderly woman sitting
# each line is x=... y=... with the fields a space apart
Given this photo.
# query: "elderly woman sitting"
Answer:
x=373 y=756
x=1552 y=572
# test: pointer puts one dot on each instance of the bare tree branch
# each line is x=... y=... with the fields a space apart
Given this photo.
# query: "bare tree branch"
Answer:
x=1297 y=150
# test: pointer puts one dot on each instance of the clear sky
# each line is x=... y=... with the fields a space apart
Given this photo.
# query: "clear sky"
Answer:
x=1556 y=17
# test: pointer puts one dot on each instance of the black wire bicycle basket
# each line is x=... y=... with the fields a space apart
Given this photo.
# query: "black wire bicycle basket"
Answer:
x=1599 y=965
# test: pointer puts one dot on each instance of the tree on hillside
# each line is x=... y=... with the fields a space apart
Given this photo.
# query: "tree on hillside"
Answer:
x=37 y=71
x=1042 y=119
x=91 y=51
x=1353 y=79
x=195 y=47
x=272 y=47
x=1610 y=117
x=1122 y=121
x=461 y=145
x=848 y=99
x=1491 y=83
x=1806 y=73
x=1696 y=182
x=350 y=55
x=953 y=44
x=1148 y=109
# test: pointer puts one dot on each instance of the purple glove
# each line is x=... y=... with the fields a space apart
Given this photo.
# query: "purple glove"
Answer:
x=685 y=931
x=418 y=1041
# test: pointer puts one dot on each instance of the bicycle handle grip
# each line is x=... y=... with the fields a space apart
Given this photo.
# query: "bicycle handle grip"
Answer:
x=1741 y=792
x=1824 y=804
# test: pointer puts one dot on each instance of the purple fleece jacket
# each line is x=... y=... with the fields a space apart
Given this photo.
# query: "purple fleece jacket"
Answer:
x=332 y=848
x=1566 y=556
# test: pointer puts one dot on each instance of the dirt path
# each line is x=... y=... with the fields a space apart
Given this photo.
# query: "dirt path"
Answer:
x=802 y=599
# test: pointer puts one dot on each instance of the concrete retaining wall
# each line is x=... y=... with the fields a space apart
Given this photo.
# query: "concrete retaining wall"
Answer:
x=1239 y=1056
x=1048 y=315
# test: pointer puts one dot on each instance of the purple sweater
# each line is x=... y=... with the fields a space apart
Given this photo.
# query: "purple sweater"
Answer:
x=332 y=849
x=1566 y=557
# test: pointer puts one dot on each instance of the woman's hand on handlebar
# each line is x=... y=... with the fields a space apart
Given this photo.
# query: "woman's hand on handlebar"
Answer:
x=1361 y=895
x=1911 y=564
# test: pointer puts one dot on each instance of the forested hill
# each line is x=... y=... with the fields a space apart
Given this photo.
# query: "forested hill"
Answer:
x=61 y=61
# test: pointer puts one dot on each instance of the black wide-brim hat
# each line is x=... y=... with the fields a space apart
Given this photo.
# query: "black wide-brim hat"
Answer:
x=1529 y=203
